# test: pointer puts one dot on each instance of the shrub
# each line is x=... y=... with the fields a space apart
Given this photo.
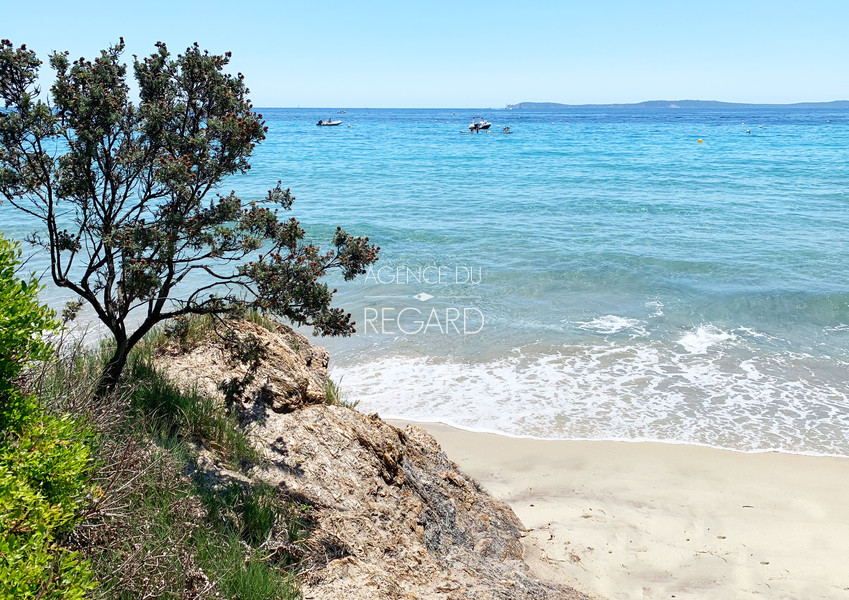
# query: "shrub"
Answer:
x=44 y=459
x=42 y=483
x=22 y=322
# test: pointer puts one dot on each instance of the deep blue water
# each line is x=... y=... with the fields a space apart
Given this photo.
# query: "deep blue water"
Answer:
x=627 y=281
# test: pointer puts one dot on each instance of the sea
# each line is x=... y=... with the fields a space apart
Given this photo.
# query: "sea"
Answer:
x=670 y=275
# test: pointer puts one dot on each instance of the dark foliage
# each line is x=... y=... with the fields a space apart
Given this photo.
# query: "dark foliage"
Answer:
x=126 y=195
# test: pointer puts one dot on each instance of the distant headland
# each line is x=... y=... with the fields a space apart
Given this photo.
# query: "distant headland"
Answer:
x=678 y=104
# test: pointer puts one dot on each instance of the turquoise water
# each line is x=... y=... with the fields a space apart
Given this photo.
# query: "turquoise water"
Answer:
x=620 y=280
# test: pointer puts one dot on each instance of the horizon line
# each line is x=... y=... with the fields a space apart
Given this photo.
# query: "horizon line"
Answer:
x=343 y=107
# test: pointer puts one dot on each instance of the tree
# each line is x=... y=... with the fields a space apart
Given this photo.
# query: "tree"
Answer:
x=126 y=195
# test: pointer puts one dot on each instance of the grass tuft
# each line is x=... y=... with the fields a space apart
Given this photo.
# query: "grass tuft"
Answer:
x=333 y=395
x=169 y=412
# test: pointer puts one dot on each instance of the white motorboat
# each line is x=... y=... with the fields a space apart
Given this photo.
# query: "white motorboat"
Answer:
x=479 y=124
x=328 y=123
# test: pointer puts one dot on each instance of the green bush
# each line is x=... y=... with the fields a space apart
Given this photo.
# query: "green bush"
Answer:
x=44 y=459
x=42 y=483
x=22 y=323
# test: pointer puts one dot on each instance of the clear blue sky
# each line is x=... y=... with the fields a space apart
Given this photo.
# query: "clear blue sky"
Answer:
x=435 y=53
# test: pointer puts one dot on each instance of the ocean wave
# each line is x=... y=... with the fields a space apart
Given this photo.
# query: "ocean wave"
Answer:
x=738 y=399
x=703 y=337
x=612 y=324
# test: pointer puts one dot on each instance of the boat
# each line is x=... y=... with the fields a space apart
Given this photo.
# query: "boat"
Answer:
x=328 y=123
x=479 y=124
x=340 y=112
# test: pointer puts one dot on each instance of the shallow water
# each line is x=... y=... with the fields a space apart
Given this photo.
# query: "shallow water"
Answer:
x=620 y=280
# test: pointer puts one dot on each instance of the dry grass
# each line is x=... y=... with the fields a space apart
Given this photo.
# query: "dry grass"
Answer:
x=151 y=530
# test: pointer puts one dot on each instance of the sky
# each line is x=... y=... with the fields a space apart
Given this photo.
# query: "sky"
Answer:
x=410 y=53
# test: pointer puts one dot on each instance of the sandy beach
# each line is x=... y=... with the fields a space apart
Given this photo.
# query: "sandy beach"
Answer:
x=622 y=520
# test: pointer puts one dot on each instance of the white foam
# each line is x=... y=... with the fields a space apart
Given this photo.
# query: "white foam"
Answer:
x=751 y=332
x=750 y=370
x=705 y=336
x=621 y=390
x=611 y=324
x=657 y=306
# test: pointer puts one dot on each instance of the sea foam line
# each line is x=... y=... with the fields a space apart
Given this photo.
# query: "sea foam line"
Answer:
x=734 y=399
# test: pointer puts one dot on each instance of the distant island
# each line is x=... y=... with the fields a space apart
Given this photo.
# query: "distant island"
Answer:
x=677 y=104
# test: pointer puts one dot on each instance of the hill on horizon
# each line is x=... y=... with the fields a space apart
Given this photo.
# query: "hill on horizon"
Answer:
x=678 y=104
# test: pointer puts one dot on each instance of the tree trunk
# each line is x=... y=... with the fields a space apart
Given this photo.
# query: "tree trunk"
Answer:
x=112 y=371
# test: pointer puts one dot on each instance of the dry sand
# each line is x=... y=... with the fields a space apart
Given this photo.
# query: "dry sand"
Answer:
x=624 y=520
